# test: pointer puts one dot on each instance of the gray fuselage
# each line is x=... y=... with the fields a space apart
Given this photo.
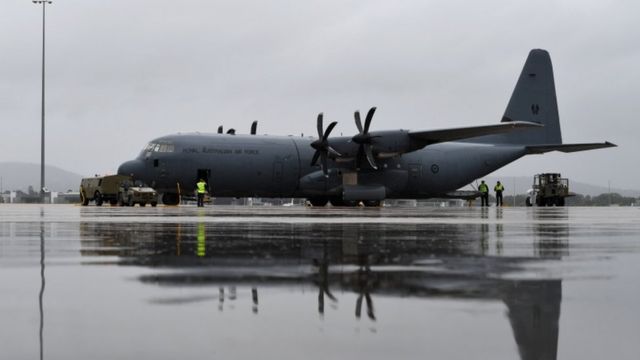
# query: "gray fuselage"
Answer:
x=279 y=166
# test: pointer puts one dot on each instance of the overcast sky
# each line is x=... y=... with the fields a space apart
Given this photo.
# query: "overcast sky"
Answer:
x=122 y=72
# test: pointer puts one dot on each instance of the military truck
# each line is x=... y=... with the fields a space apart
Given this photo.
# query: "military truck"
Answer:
x=549 y=189
x=132 y=194
x=100 y=189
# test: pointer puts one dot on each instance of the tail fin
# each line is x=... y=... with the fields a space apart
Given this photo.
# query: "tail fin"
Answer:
x=534 y=100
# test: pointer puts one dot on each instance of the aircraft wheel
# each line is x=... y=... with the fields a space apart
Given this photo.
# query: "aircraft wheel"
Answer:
x=318 y=201
x=97 y=197
x=170 y=199
x=113 y=202
x=527 y=201
x=372 y=203
x=342 y=202
x=560 y=201
x=350 y=203
x=336 y=201
x=154 y=204
x=143 y=204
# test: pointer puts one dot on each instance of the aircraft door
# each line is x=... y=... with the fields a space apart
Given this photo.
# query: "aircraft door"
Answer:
x=204 y=174
x=285 y=177
x=278 y=176
x=415 y=176
x=277 y=172
x=160 y=167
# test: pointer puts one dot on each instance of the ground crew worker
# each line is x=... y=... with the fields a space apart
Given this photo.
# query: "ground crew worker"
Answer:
x=499 y=188
x=201 y=189
x=484 y=193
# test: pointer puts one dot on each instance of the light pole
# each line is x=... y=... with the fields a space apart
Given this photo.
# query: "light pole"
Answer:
x=43 y=2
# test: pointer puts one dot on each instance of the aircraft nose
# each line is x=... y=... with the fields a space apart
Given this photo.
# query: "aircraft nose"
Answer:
x=131 y=168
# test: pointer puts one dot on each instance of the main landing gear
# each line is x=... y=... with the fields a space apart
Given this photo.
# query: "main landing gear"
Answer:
x=339 y=202
x=170 y=199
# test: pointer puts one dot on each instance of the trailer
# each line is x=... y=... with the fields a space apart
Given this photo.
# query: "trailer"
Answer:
x=116 y=189
x=100 y=189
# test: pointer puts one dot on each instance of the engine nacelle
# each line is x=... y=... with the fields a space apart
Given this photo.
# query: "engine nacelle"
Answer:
x=385 y=145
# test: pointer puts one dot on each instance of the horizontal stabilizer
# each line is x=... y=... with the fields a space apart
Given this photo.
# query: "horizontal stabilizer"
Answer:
x=567 y=148
x=438 y=136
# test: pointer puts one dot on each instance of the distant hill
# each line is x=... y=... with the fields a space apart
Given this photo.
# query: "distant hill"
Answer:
x=19 y=176
x=523 y=183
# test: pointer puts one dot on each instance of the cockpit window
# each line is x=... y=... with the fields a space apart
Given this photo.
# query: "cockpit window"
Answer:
x=164 y=147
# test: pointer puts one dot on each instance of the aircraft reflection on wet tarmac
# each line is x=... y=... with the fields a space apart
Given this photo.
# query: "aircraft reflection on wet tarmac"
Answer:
x=373 y=259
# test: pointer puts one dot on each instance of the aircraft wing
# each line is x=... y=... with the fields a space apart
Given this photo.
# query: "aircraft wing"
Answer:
x=541 y=149
x=438 y=136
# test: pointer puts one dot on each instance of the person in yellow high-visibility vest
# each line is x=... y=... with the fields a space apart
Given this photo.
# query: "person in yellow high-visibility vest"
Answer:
x=484 y=193
x=201 y=189
x=499 y=188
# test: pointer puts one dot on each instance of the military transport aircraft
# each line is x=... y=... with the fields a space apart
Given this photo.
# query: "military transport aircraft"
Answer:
x=369 y=166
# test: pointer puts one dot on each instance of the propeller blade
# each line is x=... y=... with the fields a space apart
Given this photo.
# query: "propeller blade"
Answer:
x=358 y=122
x=328 y=131
x=320 y=125
x=367 y=121
x=220 y=129
x=322 y=147
x=333 y=152
x=359 y=156
x=254 y=127
x=325 y=168
x=370 y=159
x=314 y=160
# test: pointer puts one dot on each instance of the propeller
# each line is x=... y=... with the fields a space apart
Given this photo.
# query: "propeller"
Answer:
x=322 y=147
x=364 y=139
x=254 y=127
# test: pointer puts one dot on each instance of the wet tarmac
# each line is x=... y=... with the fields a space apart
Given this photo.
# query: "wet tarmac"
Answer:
x=304 y=283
